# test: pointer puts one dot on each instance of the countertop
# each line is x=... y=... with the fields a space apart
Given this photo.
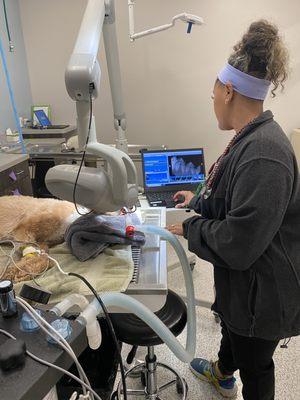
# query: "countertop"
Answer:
x=34 y=381
x=9 y=160
x=64 y=133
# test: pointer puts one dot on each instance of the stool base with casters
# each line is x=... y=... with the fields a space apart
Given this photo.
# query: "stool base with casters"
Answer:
x=131 y=330
x=148 y=373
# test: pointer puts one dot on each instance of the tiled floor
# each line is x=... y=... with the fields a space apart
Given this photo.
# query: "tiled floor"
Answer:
x=208 y=333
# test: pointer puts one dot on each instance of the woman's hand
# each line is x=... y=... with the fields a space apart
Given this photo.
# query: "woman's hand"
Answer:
x=185 y=197
x=176 y=229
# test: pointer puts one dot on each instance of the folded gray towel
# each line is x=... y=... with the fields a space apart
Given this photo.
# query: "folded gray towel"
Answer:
x=90 y=234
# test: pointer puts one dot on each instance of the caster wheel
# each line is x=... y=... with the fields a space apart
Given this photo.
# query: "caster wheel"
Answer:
x=179 y=387
x=143 y=378
x=114 y=396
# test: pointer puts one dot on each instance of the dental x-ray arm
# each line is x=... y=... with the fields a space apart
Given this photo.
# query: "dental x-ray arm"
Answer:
x=96 y=189
x=83 y=72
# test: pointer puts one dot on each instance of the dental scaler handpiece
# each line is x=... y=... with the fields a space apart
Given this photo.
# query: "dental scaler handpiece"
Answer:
x=8 y=304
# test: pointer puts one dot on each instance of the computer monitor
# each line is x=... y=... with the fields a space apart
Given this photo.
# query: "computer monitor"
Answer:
x=42 y=118
x=173 y=169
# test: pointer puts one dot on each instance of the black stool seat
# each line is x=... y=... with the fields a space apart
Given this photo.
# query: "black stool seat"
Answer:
x=132 y=330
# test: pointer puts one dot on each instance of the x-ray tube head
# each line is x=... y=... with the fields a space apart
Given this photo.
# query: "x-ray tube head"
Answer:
x=95 y=189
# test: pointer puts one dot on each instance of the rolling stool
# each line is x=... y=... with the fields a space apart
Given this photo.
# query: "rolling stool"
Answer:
x=131 y=330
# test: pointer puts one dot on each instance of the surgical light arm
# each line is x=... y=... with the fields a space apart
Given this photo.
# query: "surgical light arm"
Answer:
x=190 y=19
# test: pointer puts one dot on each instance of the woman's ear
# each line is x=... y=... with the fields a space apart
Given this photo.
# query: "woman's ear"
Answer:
x=228 y=92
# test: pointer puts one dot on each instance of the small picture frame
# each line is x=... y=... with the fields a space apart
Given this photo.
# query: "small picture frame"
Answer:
x=45 y=107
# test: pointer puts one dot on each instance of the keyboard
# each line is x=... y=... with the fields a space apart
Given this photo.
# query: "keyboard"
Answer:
x=50 y=127
x=56 y=127
x=161 y=199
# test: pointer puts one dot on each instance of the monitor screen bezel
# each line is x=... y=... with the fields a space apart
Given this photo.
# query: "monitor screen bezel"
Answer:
x=172 y=187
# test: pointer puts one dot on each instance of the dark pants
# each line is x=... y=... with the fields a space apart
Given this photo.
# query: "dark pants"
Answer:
x=254 y=358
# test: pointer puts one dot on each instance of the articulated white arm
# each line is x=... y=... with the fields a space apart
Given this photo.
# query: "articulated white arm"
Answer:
x=190 y=19
x=114 y=73
x=96 y=189
x=83 y=73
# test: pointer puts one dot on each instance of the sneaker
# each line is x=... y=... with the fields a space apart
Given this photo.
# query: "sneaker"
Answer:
x=204 y=370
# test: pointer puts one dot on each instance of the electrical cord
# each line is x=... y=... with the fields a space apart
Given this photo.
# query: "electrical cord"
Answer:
x=49 y=330
x=110 y=326
x=10 y=257
x=57 y=265
x=54 y=335
x=91 y=88
x=48 y=364
x=7 y=26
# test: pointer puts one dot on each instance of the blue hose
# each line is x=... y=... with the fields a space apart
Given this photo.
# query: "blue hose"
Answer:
x=12 y=99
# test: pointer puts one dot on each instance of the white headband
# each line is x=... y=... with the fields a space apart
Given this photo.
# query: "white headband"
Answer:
x=243 y=83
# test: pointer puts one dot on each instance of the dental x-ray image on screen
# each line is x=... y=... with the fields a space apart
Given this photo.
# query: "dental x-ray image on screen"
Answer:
x=188 y=165
x=167 y=171
x=166 y=168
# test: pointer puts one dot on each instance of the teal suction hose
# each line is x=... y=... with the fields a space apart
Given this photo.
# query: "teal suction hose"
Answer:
x=130 y=304
x=188 y=280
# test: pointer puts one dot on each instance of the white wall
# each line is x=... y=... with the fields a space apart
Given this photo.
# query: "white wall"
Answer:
x=17 y=66
x=168 y=78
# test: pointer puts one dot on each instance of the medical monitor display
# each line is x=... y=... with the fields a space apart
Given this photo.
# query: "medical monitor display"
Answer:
x=42 y=118
x=173 y=167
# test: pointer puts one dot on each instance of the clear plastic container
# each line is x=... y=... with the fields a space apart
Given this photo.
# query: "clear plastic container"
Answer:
x=62 y=326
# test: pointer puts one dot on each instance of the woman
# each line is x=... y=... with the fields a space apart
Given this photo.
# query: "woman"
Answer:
x=249 y=227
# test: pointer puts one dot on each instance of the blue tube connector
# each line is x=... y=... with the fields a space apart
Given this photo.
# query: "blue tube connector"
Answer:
x=28 y=324
x=62 y=326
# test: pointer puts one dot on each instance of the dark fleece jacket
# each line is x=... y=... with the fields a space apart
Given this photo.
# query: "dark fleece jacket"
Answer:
x=249 y=229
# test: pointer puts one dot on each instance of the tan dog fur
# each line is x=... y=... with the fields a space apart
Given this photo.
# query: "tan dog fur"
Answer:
x=40 y=221
x=27 y=219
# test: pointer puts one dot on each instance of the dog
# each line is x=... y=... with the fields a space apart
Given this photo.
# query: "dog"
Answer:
x=29 y=220
x=32 y=220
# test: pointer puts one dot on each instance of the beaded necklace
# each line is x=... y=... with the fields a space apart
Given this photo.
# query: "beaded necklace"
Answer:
x=214 y=169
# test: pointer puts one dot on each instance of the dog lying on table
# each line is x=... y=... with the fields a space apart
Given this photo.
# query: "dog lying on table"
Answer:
x=37 y=224
x=40 y=222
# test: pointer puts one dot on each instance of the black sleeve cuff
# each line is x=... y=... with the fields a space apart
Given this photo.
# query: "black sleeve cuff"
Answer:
x=185 y=226
x=193 y=202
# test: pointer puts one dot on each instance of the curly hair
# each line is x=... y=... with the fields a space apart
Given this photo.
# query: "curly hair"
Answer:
x=262 y=53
